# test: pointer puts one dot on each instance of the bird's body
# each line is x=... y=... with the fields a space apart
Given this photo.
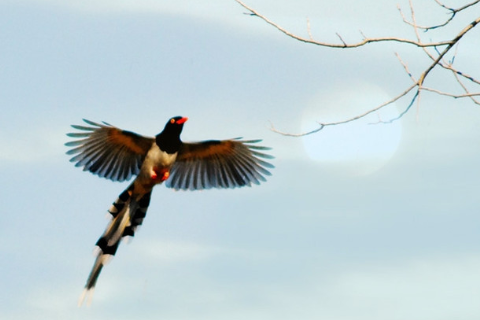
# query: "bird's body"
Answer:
x=118 y=155
x=155 y=169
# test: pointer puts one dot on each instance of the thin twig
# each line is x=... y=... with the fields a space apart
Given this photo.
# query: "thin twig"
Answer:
x=321 y=126
x=466 y=89
x=452 y=95
x=365 y=41
x=341 y=39
x=453 y=13
x=405 y=66
x=417 y=95
x=309 y=30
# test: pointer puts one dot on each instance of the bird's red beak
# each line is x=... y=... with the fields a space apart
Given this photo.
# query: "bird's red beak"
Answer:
x=182 y=121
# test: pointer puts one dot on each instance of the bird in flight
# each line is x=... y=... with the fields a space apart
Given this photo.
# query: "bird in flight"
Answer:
x=117 y=154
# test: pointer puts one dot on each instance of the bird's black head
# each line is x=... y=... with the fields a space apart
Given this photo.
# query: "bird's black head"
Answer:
x=169 y=139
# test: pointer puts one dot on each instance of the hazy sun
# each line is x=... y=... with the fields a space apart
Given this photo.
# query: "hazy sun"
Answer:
x=358 y=147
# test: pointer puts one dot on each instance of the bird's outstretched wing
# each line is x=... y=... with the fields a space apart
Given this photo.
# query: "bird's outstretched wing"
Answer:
x=107 y=151
x=219 y=164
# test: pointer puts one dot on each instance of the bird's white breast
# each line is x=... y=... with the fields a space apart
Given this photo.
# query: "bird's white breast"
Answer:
x=155 y=169
x=158 y=158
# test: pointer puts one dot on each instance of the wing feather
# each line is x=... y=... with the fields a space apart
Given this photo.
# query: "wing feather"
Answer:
x=219 y=164
x=107 y=151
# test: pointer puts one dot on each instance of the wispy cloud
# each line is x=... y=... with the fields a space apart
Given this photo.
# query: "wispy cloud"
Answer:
x=34 y=147
x=412 y=289
x=166 y=252
x=204 y=9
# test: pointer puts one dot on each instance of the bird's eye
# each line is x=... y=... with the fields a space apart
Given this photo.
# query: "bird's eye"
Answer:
x=172 y=120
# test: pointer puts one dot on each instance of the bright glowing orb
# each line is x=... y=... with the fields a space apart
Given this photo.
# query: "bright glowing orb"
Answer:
x=358 y=147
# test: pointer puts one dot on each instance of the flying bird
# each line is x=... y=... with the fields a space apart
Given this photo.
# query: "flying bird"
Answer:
x=118 y=155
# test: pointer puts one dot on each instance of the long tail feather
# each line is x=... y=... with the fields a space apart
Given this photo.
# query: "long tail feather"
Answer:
x=87 y=293
x=127 y=214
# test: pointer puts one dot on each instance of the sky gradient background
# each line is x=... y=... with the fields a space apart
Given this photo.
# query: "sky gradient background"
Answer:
x=357 y=222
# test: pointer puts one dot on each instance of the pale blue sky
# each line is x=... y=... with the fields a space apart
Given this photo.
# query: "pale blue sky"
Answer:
x=392 y=233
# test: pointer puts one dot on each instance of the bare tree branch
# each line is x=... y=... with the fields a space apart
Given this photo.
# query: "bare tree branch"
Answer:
x=365 y=41
x=437 y=57
x=326 y=124
x=454 y=41
x=456 y=96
